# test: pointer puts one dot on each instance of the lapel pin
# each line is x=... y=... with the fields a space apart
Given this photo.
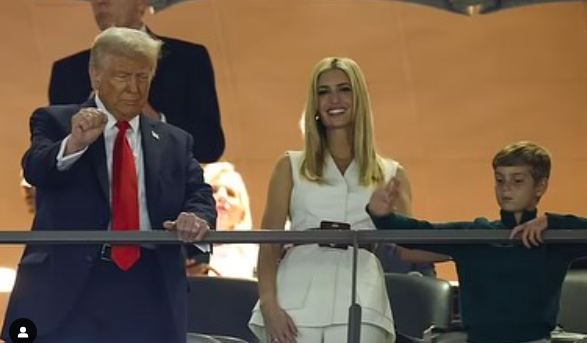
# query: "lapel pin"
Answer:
x=155 y=135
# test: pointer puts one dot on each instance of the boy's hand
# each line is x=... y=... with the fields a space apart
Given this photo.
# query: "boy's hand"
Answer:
x=531 y=232
x=384 y=198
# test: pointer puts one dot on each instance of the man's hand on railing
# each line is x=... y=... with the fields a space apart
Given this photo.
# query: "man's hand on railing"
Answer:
x=189 y=227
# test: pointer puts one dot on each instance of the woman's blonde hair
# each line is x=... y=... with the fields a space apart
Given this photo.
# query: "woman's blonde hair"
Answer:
x=214 y=171
x=365 y=154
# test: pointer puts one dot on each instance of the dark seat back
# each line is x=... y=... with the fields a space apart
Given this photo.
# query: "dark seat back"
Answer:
x=573 y=311
x=418 y=302
x=221 y=306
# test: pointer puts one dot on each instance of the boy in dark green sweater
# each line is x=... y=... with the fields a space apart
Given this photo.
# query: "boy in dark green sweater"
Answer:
x=509 y=293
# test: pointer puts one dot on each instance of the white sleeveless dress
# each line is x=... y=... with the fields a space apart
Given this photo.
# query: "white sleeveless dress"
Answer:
x=314 y=283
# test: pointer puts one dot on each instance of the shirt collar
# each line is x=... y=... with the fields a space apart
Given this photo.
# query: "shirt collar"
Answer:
x=134 y=122
x=508 y=219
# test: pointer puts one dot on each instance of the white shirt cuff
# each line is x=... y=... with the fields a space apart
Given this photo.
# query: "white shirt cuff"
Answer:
x=65 y=162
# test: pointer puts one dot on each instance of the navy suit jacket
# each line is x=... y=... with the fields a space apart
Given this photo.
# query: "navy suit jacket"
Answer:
x=183 y=90
x=51 y=278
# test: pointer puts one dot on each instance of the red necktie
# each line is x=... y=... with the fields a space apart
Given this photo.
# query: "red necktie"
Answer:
x=125 y=198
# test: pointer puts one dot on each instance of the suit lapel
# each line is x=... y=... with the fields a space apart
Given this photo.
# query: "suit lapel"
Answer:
x=151 y=162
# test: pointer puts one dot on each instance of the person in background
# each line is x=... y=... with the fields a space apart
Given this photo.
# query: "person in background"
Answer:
x=183 y=92
x=234 y=214
x=305 y=290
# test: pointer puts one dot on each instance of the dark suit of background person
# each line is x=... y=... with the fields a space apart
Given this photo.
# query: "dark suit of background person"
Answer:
x=58 y=285
x=183 y=90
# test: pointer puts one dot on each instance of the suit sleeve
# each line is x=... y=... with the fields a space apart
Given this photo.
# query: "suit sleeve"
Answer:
x=198 y=194
x=39 y=163
x=569 y=222
x=199 y=200
x=205 y=124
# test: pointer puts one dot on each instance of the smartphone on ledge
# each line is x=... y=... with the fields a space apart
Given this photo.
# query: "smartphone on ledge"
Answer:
x=330 y=225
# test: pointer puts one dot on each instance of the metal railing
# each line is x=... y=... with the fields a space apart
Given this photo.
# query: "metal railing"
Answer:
x=280 y=236
x=352 y=237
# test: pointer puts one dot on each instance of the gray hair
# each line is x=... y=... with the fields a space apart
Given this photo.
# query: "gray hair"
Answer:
x=124 y=42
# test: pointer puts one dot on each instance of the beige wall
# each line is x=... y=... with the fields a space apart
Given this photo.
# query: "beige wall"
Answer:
x=448 y=91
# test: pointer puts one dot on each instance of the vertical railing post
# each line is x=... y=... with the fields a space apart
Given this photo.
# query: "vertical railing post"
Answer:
x=354 y=328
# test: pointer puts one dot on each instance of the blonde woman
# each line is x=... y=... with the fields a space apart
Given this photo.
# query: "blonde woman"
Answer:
x=304 y=296
x=234 y=213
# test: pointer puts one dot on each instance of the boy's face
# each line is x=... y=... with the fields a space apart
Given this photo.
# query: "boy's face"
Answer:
x=516 y=190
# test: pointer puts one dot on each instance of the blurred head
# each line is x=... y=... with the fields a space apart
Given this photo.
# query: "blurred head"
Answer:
x=230 y=193
x=338 y=99
x=29 y=192
x=120 y=13
x=122 y=64
x=521 y=174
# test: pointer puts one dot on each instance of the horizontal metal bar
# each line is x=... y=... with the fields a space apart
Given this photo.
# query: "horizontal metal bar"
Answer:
x=279 y=236
x=466 y=236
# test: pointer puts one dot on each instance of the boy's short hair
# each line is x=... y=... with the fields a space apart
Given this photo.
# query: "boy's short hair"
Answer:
x=525 y=153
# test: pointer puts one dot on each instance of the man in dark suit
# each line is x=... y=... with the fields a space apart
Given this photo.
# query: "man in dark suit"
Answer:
x=98 y=166
x=183 y=92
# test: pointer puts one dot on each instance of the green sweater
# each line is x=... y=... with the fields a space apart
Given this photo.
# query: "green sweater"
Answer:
x=508 y=293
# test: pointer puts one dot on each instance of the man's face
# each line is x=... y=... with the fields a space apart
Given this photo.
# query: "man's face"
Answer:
x=516 y=190
x=120 y=13
x=123 y=83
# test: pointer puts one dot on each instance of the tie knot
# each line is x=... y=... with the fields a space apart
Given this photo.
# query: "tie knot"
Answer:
x=122 y=126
